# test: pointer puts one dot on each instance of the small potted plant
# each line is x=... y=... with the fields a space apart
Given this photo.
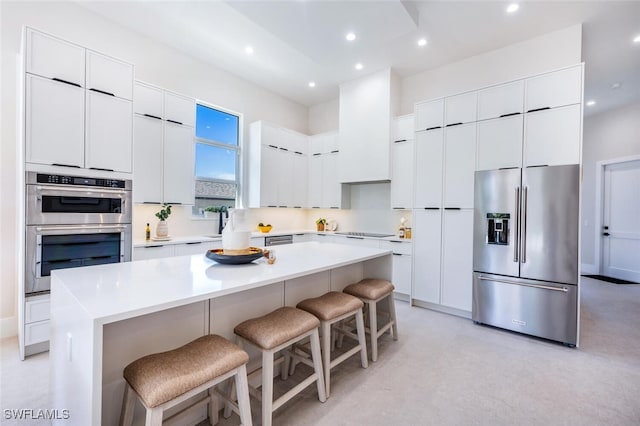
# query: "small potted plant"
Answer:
x=320 y=223
x=264 y=228
x=210 y=212
x=162 y=229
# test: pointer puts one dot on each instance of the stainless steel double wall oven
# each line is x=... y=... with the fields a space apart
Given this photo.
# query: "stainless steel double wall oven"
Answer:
x=74 y=221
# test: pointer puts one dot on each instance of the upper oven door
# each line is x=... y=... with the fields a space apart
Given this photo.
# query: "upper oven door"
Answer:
x=69 y=205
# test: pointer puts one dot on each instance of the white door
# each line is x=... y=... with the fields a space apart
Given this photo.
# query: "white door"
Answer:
x=402 y=175
x=621 y=221
x=179 y=164
x=459 y=165
x=427 y=252
x=457 y=258
x=428 y=169
x=269 y=177
x=147 y=159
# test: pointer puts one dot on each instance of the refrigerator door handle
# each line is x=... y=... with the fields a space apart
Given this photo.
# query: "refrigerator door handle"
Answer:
x=543 y=287
x=524 y=225
x=517 y=226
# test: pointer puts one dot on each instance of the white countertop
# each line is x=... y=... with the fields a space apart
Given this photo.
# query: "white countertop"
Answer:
x=118 y=291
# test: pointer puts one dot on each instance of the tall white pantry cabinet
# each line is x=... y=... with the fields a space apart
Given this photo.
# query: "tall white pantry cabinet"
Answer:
x=530 y=122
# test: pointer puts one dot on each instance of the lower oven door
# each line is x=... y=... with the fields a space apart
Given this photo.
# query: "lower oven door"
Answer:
x=71 y=246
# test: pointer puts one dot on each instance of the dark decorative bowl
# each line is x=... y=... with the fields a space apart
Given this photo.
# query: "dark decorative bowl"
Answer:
x=218 y=255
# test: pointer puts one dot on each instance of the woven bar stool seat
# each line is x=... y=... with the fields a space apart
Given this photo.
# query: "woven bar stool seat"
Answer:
x=331 y=308
x=165 y=379
x=371 y=291
x=272 y=333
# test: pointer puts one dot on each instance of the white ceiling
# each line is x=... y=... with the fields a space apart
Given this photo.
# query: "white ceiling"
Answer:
x=298 y=41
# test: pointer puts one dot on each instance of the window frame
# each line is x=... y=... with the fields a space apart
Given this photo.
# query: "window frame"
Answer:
x=239 y=149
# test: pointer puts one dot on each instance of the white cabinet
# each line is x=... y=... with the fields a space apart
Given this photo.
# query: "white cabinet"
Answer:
x=460 y=108
x=403 y=128
x=315 y=181
x=178 y=164
x=195 y=247
x=299 y=184
x=109 y=75
x=427 y=254
x=331 y=187
x=500 y=143
x=402 y=174
x=109 y=133
x=301 y=238
x=37 y=311
x=459 y=165
x=366 y=109
x=357 y=241
x=152 y=252
x=148 y=100
x=179 y=109
x=554 y=89
x=552 y=137
x=54 y=119
x=256 y=241
x=54 y=58
x=457 y=259
x=148 y=156
x=429 y=115
x=402 y=265
x=429 y=160
x=500 y=101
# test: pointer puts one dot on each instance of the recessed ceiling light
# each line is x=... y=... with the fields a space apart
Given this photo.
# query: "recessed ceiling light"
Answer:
x=350 y=36
x=637 y=39
x=248 y=50
x=358 y=66
x=422 y=42
x=312 y=84
x=591 y=103
x=616 y=85
x=513 y=7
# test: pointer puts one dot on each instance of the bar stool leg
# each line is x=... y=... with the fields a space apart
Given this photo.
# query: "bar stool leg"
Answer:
x=317 y=364
x=373 y=328
x=128 y=405
x=392 y=314
x=154 y=417
x=267 y=387
x=244 y=403
x=213 y=407
x=362 y=339
x=326 y=356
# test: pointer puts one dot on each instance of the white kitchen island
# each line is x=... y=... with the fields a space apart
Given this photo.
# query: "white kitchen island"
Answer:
x=103 y=317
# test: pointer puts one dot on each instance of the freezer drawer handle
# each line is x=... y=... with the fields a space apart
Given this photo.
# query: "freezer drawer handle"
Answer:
x=516 y=231
x=543 y=287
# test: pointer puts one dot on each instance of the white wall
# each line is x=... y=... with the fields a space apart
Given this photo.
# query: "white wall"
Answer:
x=324 y=117
x=154 y=63
x=610 y=135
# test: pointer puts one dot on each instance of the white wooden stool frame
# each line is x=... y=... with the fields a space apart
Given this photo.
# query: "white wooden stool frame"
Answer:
x=327 y=343
x=266 y=394
x=154 y=414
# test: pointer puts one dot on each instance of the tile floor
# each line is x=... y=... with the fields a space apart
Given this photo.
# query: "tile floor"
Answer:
x=446 y=370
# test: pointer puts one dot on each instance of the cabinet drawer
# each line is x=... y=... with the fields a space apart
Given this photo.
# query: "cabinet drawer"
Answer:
x=501 y=100
x=37 y=309
x=109 y=75
x=429 y=115
x=398 y=247
x=152 y=252
x=36 y=332
x=357 y=241
x=554 y=89
x=461 y=108
x=179 y=109
x=54 y=58
x=199 y=247
x=147 y=100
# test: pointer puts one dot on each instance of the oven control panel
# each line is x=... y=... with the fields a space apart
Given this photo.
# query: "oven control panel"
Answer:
x=78 y=180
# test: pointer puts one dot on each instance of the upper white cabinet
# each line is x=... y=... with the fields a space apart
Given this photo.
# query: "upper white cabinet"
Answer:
x=148 y=100
x=179 y=109
x=429 y=115
x=148 y=157
x=429 y=151
x=403 y=128
x=315 y=191
x=108 y=75
x=402 y=162
x=54 y=58
x=500 y=101
x=500 y=143
x=460 y=109
x=61 y=129
x=554 y=89
x=366 y=108
x=324 y=187
x=459 y=165
x=552 y=137
x=178 y=164
x=54 y=120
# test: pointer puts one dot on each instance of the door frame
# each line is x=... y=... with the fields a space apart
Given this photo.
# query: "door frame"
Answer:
x=600 y=166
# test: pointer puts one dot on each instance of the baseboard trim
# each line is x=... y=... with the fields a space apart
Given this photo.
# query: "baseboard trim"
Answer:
x=8 y=327
x=588 y=268
x=441 y=308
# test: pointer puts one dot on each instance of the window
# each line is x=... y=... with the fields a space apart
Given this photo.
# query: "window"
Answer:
x=217 y=158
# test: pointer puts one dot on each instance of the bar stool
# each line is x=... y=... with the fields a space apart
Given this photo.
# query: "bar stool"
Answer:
x=163 y=380
x=271 y=333
x=331 y=308
x=371 y=291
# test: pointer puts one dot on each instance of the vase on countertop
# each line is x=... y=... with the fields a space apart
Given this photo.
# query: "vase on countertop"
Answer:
x=162 y=229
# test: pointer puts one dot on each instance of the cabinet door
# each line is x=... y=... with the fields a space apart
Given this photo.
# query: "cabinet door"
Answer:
x=109 y=75
x=54 y=122
x=457 y=259
x=315 y=181
x=429 y=115
x=554 y=89
x=331 y=187
x=500 y=143
x=357 y=241
x=402 y=175
x=459 y=165
x=426 y=252
x=460 y=108
x=401 y=275
x=500 y=101
x=552 y=137
x=54 y=58
x=428 y=166
x=179 y=109
x=284 y=170
x=403 y=128
x=178 y=164
x=299 y=183
x=316 y=144
x=330 y=142
x=147 y=100
x=109 y=133
x=301 y=238
x=152 y=252
x=147 y=159
x=269 y=177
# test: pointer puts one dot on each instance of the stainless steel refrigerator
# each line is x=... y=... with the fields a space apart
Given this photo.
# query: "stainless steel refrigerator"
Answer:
x=525 y=251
